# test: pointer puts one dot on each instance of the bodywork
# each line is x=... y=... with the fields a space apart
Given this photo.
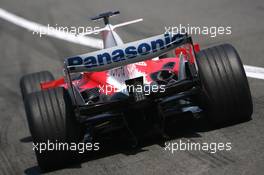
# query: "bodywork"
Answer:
x=110 y=70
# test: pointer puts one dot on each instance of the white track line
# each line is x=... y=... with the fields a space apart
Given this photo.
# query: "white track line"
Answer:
x=87 y=41
x=254 y=72
x=251 y=71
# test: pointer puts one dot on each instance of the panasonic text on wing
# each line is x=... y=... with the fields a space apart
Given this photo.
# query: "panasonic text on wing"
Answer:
x=129 y=52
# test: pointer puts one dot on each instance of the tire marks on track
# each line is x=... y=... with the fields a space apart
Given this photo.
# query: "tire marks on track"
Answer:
x=214 y=160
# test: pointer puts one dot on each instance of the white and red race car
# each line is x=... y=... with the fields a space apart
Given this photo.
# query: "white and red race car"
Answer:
x=101 y=91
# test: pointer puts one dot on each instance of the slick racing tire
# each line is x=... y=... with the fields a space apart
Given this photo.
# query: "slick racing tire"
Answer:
x=31 y=82
x=226 y=95
x=51 y=120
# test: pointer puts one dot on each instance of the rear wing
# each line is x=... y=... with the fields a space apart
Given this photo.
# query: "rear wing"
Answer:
x=122 y=55
x=119 y=56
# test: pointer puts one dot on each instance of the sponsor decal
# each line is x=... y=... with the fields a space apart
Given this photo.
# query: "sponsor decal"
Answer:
x=129 y=52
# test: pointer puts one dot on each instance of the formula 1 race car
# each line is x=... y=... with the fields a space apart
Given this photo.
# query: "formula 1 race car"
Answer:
x=148 y=81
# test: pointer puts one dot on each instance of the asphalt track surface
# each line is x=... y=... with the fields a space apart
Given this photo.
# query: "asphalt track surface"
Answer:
x=22 y=53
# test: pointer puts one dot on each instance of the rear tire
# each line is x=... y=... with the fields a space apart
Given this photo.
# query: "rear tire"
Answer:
x=51 y=118
x=226 y=94
x=31 y=82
